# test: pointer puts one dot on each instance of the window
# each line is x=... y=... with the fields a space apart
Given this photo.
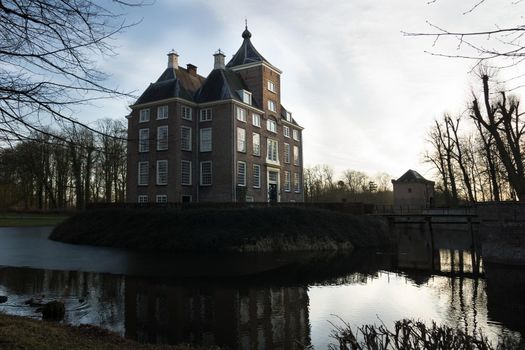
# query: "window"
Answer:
x=161 y=198
x=185 y=172
x=287 y=153
x=162 y=172
x=272 y=151
x=271 y=86
x=143 y=198
x=185 y=138
x=245 y=96
x=256 y=120
x=144 y=115
x=241 y=114
x=287 y=181
x=256 y=141
x=271 y=125
x=205 y=115
x=286 y=131
x=143 y=173
x=295 y=155
x=206 y=173
x=289 y=116
x=205 y=140
x=241 y=174
x=162 y=138
x=186 y=112
x=296 y=135
x=162 y=112
x=241 y=140
x=296 y=184
x=143 y=140
x=271 y=106
x=256 y=176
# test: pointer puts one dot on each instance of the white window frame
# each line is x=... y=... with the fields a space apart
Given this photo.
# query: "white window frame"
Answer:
x=296 y=135
x=271 y=125
x=162 y=112
x=142 y=198
x=205 y=140
x=241 y=175
x=246 y=96
x=202 y=173
x=162 y=181
x=289 y=116
x=205 y=115
x=183 y=146
x=144 y=176
x=287 y=151
x=161 y=198
x=271 y=86
x=272 y=151
x=296 y=183
x=183 y=164
x=256 y=176
x=241 y=114
x=286 y=131
x=287 y=181
x=162 y=143
x=256 y=144
x=295 y=155
x=144 y=115
x=241 y=140
x=186 y=113
x=256 y=120
x=272 y=106
x=144 y=140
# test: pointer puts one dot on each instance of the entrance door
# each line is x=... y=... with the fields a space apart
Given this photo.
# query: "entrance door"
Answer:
x=273 y=186
x=272 y=193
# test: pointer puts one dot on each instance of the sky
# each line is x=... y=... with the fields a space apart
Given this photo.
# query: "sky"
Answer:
x=365 y=93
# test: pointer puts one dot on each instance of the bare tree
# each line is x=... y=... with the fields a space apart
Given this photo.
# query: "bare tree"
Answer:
x=503 y=121
x=505 y=43
x=48 y=52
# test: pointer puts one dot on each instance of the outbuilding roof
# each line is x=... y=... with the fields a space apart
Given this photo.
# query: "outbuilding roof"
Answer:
x=412 y=176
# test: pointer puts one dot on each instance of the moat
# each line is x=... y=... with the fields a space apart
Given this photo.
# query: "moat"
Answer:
x=261 y=301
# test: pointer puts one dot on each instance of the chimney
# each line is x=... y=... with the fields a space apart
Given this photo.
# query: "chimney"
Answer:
x=191 y=69
x=219 y=59
x=173 y=59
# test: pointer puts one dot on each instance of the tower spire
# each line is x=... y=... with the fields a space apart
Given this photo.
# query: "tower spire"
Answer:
x=246 y=34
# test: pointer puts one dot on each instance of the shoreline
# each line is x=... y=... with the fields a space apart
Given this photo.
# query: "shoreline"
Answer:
x=254 y=230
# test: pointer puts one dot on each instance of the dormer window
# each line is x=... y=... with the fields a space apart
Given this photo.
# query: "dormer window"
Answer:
x=246 y=96
x=272 y=106
x=288 y=116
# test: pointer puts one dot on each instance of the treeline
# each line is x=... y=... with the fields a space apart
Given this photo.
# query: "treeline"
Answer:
x=66 y=168
x=479 y=154
x=320 y=185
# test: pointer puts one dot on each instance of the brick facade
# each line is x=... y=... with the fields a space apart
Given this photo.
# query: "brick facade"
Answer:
x=222 y=94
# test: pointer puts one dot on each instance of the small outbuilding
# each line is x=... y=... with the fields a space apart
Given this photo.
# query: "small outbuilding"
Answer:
x=413 y=191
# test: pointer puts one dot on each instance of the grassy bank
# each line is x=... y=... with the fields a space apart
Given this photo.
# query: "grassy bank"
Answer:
x=30 y=219
x=25 y=333
x=219 y=230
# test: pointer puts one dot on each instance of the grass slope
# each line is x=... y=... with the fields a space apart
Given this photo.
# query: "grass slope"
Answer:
x=30 y=219
x=216 y=230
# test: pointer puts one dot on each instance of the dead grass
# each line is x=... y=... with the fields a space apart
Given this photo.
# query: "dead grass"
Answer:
x=24 y=333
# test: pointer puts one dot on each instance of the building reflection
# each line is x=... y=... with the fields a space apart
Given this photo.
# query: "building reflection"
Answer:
x=237 y=318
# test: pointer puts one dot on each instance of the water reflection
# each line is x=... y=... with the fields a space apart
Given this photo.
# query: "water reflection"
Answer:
x=286 y=301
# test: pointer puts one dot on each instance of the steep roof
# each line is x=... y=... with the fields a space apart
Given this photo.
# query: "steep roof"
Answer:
x=283 y=116
x=222 y=84
x=173 y=82
x=246 y=53
x=412 y=176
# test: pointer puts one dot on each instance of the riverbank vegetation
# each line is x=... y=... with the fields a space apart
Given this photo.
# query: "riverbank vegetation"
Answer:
x=25 y=333
x=412 y=335
x=219 y=230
